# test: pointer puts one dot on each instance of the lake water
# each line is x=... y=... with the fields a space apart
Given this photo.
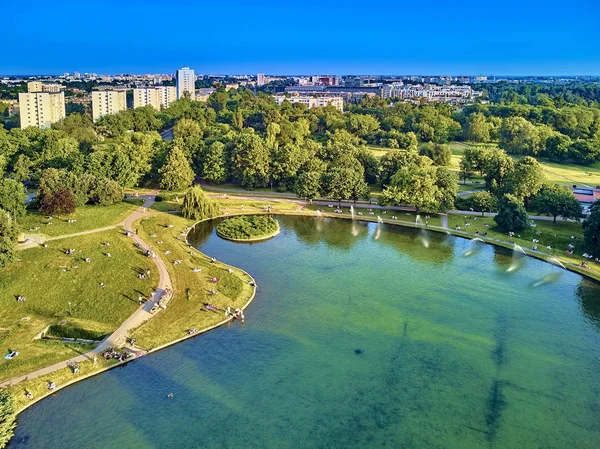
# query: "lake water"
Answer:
x=361 y=336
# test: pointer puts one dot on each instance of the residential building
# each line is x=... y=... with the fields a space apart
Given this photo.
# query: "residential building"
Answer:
x=107 y=101
x=260 y=79
x=203 y=94
x=449 y=94
x=349 y=94
x=41 y=109
x=159 y=97
x=324 y=80
x=312 y=102
x=38 y=86
x=34 y=86
x=186 y=82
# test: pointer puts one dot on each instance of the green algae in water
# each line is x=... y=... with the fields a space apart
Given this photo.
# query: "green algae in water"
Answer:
x=361 y=336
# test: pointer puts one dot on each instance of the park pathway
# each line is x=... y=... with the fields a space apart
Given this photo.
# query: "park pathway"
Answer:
x=139 y=317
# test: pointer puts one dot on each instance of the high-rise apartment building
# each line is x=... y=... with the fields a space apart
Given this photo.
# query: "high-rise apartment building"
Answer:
x=38 y=86
x=158 y=97
x=41 y=109
x=107 y=101
x=186 y=82
x=260 y=79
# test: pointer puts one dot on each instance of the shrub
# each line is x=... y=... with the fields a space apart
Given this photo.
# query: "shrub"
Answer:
x=248 y=227
x=8 y=418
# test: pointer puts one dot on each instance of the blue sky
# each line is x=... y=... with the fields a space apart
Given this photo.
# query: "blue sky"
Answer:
x=278 y=37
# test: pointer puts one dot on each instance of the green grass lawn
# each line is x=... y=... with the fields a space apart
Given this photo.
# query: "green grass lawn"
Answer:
x=378 y=151
x=467 y=187
x=38 y=387
x=88 y=217
x=49 y=280
x=569 y=174
x=566 y=174
x=191 y=289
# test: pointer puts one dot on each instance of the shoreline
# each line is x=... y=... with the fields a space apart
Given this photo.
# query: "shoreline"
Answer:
x=256 y=239
x=152 y=350
x=439 y=229
x=248 y=240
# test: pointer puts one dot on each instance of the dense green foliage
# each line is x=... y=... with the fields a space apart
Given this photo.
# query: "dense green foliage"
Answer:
x=511 y=214
x=197 y=205
x=248 y=227
x=8 y=238
x=591 y=231
x=8 y=418
x=557 y=200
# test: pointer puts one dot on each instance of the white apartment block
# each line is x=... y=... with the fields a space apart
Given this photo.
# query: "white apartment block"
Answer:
x=313 y=102
x=105 y=102
x=159 y=97
x=38 y=86
x=41 y=109
x=260 y=79
x=430 y=92
x=186 y=82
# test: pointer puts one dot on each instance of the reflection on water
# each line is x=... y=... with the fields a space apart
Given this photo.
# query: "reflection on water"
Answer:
x=354 y=342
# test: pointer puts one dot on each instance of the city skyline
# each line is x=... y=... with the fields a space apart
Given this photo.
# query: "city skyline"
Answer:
x=536 y=39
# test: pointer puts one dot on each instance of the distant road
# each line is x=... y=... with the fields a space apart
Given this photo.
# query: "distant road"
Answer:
x=167 y=135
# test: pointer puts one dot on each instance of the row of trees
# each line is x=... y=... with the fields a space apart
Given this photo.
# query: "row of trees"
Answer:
x=569 y=133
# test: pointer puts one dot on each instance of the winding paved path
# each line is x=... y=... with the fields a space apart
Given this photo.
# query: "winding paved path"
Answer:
x=140 y=316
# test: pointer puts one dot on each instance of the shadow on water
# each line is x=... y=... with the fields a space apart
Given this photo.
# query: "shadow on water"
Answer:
x=335 y=233
x=408 y=242
x=587 y=293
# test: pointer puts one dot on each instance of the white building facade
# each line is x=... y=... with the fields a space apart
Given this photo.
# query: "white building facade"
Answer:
x=312 y=102
x=186 y=82
x=159 y=97
x=105 y=102
x=260 y=79
x=41 y=109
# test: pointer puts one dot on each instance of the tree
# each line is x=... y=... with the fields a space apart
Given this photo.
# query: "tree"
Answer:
x=446 y=182
x=557 y=200
x=176 y=174
x=185 y=129
x=519 y=136
x=344 y=183
x=308 y=185
x=415 y=186
x=498 y=166
x=557 y=147
x=8 y=240
x=106 y=192
x=477 y=129
x=591 y=231
x=511 y=214
x=214 y=168
x=484 y=201
x=392 y=161
x=250 y=161
x=22 y=168
x=61 y=202
x=526 y=179
x=466 y=169
x=197 y=205
x=585 y=151
x=8 y=417
x=12 y=197
x=363 y=125
x=440 y=154
x=370 y=165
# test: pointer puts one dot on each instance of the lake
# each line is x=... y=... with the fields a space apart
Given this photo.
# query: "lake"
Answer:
x=361 y=336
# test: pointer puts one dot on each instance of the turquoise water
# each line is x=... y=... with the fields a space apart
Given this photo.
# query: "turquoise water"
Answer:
x=360 y=337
